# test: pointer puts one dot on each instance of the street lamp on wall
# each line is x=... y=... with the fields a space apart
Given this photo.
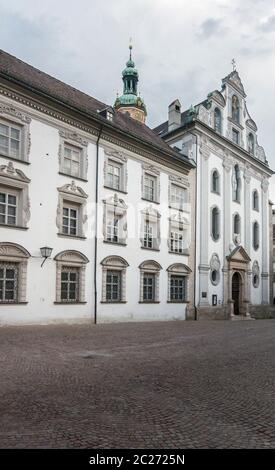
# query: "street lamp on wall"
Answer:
x=45 y=253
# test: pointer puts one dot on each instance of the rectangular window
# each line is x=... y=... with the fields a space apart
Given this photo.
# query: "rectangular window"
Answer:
x=149 y=287
x=113 y=175
x=235 y=136
x=8 y=283
x=178 y=196
x=113 y=286
x=70 y=220
x=178 y=288
x=69 y=284
x=148 y=236
x=72 y=161
x=176 y=241
x=10 y=140
x=149 y=187
x=8 y=208
x=112 y=228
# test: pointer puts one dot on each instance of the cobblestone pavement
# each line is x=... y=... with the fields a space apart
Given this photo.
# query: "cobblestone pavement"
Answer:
x=140 y=385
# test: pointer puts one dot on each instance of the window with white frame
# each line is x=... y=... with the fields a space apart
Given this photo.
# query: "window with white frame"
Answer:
x=150 y=183
x=113 y=175
x=177 y=288
x=149 y=187
x=150 y=236
x=14 y=197
x=149 y=287
x=178 y=197
x=70 y=218
x=115 y=170
x=70 y=277
x=10 y=139
x=13 y=273
x=73 y=159
x=113 y=286
x=149 y=281
x=69 y=284
x=71 y=211
x=114 y=279
x=8 y=282
x=115 y=220
x=8 y=206
x=178 y=234
x=178 y=276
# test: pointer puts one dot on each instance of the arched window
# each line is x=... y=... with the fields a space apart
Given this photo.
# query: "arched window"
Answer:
x=149 y=281
x=236 y=228
x=235 y=109
x=255 y=235
x=236 y=183
x=13 y=273
x=215 y=182
x=255 y=200
x=251 y=144
x=218 y=120
x=215 y=223
x=178 y=282
x=70 y=277
x=114 y=279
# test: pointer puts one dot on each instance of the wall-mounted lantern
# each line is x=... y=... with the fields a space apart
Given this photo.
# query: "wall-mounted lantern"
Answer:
x=45 y=253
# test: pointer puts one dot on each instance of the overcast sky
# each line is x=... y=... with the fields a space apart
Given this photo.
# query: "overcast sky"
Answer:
x=182 y=49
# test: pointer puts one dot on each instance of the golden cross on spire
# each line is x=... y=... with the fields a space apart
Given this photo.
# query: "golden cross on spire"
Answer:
x=234 y=65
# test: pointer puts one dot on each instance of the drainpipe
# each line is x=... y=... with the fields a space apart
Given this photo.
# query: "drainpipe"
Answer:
x=96 y=222
x=195 y=230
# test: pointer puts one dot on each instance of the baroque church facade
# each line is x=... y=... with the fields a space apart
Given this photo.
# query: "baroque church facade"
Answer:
x=103 y=219
x=232 y=267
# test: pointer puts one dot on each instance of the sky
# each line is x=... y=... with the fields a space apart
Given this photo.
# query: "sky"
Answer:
x=182 y=49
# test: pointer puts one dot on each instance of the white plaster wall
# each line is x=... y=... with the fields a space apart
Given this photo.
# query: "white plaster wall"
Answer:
x=135 y=255
x=43 y=172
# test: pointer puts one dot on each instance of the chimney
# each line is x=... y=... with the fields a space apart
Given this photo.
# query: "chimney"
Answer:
x=174 y=115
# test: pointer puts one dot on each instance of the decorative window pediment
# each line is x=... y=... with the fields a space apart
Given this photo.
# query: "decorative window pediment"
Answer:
x=73 y=190
x=179 y=268
x=151 y=265
x=150 y=183
x=150 y=228
x=72 y=257
x=9 y=171
x=115 y=220
x=114 y=262
x=15 y=202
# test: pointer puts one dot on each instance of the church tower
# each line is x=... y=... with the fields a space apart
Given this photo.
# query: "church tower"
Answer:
x=130 y=101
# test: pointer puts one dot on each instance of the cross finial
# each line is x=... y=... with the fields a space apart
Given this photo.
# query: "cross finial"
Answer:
x=234 y=65
x=130 y=47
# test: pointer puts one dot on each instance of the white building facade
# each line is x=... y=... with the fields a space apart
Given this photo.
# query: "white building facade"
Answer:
x=110 y=199
x=232 y=266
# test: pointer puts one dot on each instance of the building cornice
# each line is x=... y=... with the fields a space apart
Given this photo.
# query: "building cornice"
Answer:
x=224 y=143
x=88 y=122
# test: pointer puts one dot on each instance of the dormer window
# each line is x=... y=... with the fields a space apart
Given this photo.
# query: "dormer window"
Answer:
x=109 y=116
x=235 y=109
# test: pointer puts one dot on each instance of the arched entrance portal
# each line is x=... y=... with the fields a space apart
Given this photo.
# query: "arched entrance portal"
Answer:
x=236 y=292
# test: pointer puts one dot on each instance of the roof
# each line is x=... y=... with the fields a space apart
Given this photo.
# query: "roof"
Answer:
x=28 y=76
x=163 y=128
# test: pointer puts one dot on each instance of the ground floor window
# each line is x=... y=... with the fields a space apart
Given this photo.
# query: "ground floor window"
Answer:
x=113 y=286
x=70 y=277
x=178 y=288
x=149 y=282
x=8 y=282
x=69 y=284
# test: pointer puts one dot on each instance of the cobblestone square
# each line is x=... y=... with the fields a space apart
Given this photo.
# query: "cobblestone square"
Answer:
x=140 y=385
